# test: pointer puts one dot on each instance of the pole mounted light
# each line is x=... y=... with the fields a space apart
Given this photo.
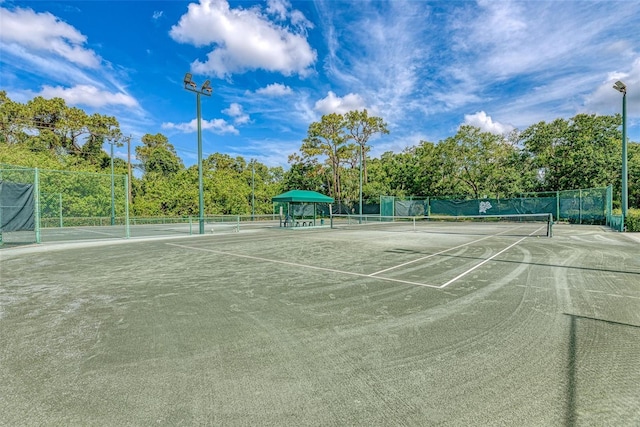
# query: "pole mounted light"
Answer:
x=206 y=90
x=622 y=88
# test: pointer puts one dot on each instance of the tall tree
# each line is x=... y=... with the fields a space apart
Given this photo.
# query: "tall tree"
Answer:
x=481 y=161
x=361 y=127
x=13 y=118
x=327 y=138
x=157 y=155
x=304 y=174
x=581 y=152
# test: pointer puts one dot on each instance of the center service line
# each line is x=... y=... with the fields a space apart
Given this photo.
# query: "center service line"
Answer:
x=484 y=262
x=428 y=256
x=295 y=264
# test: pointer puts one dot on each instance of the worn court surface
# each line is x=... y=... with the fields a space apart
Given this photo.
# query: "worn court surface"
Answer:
x=324 y=327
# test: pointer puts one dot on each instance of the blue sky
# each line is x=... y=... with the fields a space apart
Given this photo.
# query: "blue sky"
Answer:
x=276 y=66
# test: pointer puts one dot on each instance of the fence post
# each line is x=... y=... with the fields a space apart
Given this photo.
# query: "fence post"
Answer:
x=60 y=208
x=36 y=189
x=580 y=206
x=127 y=231
x=331 y=216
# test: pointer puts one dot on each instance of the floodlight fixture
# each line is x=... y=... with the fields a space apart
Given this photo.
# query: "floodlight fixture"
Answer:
x=206 y=87
x=620 y=87
x=188 y=81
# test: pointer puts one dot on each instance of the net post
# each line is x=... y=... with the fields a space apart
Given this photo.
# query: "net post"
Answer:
x=238 y=223
x=550 y=226
x=190 y=226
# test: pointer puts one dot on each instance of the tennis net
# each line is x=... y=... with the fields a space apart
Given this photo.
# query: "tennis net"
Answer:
x=505 y=225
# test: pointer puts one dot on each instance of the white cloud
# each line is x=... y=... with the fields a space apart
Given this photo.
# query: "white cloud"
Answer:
x=607 y=100
x=278 y=8
x=334 y=104
x=157 y=14
x=507 y=38
x=235 y=110
x=275 y=89
x=243 y=39
x=46 y=33
x=383 y=52
x=484 y=122
x=88 y=95
x=219 y=126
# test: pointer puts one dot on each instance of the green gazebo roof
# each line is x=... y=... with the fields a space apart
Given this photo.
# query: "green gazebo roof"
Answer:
x=302 y=196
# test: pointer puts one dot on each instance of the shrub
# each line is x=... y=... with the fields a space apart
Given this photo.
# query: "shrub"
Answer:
x=632 y=221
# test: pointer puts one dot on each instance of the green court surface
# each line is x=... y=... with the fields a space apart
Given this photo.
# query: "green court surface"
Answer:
x=324 y=327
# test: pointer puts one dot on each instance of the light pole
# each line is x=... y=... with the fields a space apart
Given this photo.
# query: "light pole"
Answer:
x=622 y=88
x=206 y=89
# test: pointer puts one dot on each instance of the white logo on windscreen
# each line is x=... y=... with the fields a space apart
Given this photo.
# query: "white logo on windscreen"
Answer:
x=484 y=207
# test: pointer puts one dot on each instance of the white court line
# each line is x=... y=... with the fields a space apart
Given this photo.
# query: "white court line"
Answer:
x=371 y=276
x=294 y=264
x=428 y=256
x=447 y=250
x=86 y=230
x=486 y=260
x=478 y=265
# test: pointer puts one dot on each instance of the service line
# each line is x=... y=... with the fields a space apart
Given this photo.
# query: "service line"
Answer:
x=295 y=264
x=428 y=256
x=484 y=262
x=371 y=275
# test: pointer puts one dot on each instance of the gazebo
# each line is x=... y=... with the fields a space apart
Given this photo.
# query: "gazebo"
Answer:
x=300 y=197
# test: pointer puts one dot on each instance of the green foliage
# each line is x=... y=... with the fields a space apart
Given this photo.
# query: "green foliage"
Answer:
x=633 y=168
x=304 y=174
x=580 y=152
x=632 y=221
x=328 y=139
x=361 y=128
x=157 y=156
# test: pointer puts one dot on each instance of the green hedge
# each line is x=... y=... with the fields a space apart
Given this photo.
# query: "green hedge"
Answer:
x=632 y=221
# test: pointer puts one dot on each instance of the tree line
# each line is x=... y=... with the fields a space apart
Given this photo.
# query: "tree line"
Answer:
x=334 y=158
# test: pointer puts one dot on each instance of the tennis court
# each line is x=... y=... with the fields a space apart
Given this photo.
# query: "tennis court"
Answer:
x=429 y=324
